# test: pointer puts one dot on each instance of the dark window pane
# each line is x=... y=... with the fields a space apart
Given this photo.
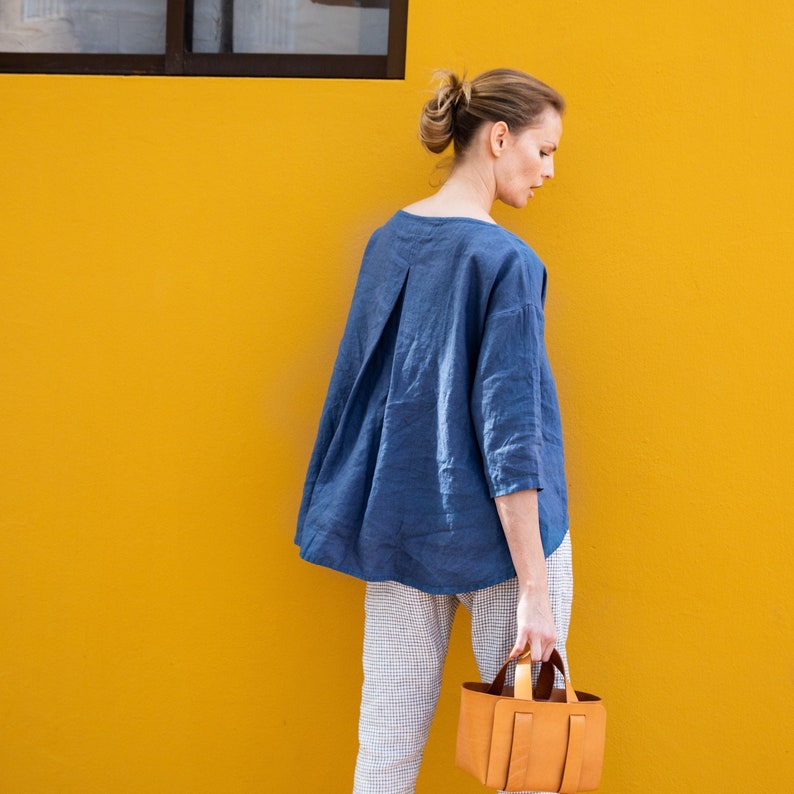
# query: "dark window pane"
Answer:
x=332 y=27
x=341 y=39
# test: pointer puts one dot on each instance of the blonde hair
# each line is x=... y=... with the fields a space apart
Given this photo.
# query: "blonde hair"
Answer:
x=459 y=107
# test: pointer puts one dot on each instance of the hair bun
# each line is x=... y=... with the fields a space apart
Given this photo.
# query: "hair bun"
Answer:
x=464 y=93
x=437 y=120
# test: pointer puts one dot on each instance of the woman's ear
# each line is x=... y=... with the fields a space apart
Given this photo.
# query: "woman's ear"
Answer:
x=498 y=138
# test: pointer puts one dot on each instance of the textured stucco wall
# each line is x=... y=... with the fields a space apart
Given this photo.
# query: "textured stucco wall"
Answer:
x=176 y=259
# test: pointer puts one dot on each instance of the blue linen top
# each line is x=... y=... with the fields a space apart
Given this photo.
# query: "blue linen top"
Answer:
x=441 y=399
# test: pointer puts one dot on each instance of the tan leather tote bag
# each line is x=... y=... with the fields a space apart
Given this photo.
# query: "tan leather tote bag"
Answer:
x=512 y=739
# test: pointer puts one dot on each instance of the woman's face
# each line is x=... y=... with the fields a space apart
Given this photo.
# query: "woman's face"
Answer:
x=526 y=160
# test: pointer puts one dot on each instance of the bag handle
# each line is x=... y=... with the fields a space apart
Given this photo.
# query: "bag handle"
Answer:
x=523 y=687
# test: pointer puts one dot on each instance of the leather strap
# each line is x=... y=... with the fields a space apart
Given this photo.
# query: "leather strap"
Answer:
x=574 y=756
x=545 y=679
x=523 y=690
x=519 y=753
x=545 y=682
x=499 y=682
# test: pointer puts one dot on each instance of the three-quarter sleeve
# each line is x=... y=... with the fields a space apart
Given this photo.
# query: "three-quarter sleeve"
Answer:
x=506 y=400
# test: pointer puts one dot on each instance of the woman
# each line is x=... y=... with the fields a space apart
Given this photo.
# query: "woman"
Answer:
x=437 y=475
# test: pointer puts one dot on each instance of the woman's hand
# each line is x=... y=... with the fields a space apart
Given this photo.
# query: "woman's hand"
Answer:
x=535 y=624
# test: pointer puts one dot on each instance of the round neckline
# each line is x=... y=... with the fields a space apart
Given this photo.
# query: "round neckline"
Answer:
x=413 y=215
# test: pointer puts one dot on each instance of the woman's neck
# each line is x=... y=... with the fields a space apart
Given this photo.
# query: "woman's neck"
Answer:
x=467 y=193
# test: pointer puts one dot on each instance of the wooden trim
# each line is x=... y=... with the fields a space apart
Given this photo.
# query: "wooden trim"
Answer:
x=398 y=39
x=243 y=64
x=80 y=63
x=175 y=35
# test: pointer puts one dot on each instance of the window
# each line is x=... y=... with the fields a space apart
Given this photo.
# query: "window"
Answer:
x=293 y=38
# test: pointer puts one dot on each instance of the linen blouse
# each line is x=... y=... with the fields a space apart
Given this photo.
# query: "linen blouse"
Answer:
x=441 y=398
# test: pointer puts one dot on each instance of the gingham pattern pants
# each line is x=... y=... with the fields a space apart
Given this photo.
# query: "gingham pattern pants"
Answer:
x=406 y=636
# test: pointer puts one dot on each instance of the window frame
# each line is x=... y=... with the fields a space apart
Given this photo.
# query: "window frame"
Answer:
x=178 y=60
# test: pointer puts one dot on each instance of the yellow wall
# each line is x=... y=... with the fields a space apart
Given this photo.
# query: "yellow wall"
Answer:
x=176 y=259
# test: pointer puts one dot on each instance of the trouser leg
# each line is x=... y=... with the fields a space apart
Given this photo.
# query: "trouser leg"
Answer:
x=493 y=616
x=559 y=571
x=493 y=625
x=406 y=637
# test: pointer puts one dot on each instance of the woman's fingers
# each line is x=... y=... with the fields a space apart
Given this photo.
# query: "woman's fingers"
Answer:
x=535 y=627
x=540 y=647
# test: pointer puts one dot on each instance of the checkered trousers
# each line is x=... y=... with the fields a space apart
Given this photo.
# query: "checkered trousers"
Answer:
x=406 y=636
